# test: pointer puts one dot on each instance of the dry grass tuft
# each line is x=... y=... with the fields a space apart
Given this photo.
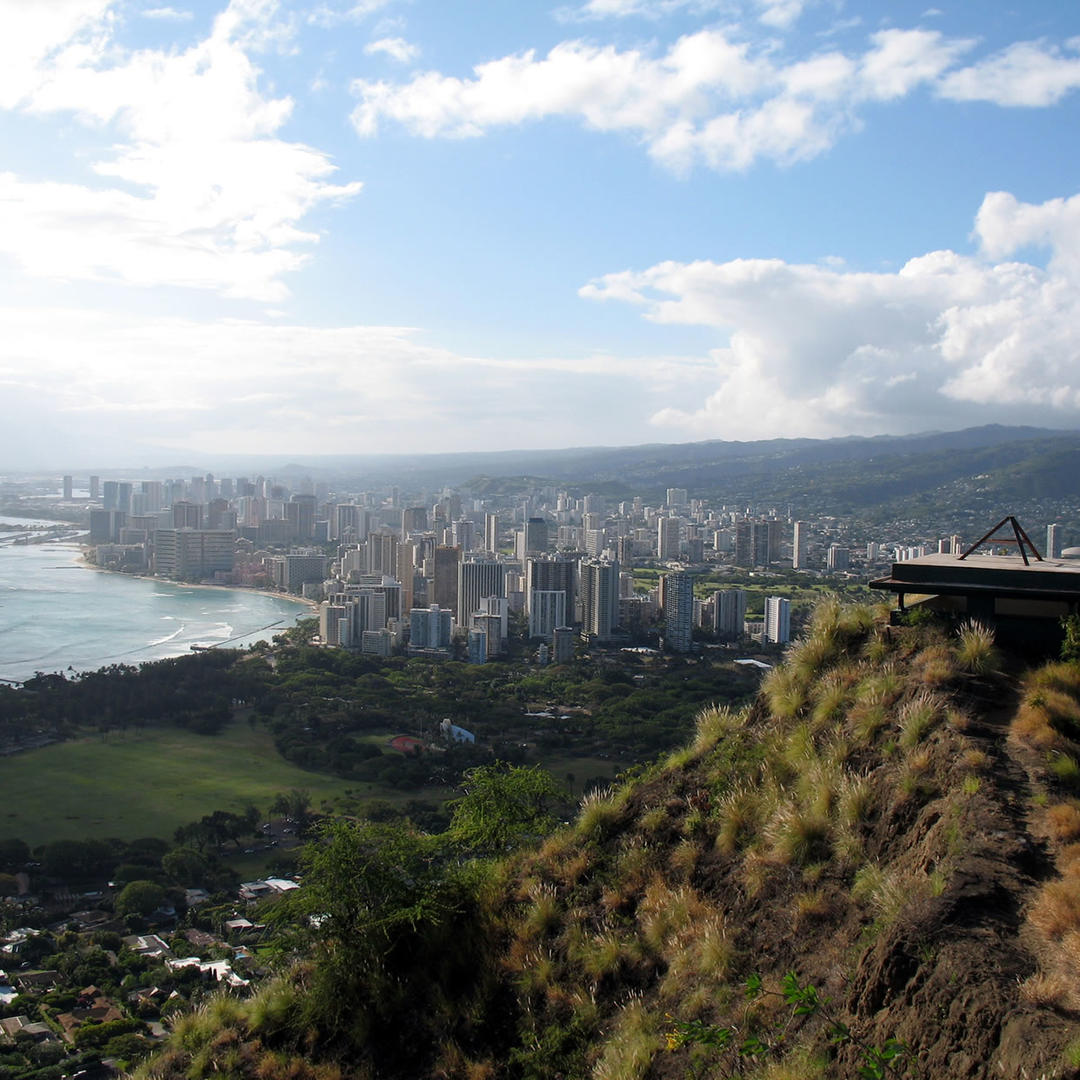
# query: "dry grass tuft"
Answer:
x=798 y=835
x=933 y=666
x=738 y=815
x=919 y=716
x=714 y=724
x=1051 y=991
x=1063 y=822
x=975 y=651
x=1056 y=910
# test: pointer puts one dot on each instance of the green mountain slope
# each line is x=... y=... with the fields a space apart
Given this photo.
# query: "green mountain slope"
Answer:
x=894 y=820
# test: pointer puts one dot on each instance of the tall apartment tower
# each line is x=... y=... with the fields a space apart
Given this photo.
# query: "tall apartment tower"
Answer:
x=444 y=588
x=677 y=598
x=546 y=574
x=668 y=532
x=800 y=542
x=599 y=598
x=491 y=533
x=477 y=579
x=95 y=487
x=778 y=620
x=463 y=534
x=729 y=613
x=68 y=484
x=1053 y=541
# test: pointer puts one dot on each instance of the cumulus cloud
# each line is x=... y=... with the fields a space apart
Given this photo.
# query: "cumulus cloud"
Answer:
x=1029 y=73
x=949 y=339
x=218 y=197
x=395 y=47
x=711 y=97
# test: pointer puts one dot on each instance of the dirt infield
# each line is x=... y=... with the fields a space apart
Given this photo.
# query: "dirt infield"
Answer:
x=407 y=744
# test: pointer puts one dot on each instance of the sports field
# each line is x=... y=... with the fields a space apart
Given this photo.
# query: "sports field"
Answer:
x=146 y=784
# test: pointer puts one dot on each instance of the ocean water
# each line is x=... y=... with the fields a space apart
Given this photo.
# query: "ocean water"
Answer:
x=56 y=613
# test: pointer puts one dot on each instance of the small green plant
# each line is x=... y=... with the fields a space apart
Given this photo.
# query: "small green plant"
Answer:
x=892 y=1058
x=1070 y=644
x=971 y=785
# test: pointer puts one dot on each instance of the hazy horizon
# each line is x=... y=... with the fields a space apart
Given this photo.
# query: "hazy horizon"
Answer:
x=251 y=228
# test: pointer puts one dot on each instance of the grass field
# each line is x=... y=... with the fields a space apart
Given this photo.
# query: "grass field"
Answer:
x=145 y=784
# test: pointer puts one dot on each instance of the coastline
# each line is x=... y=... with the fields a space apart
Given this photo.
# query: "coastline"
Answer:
x=312 y=605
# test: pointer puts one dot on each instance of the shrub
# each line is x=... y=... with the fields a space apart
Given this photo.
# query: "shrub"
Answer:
x=1066 y=769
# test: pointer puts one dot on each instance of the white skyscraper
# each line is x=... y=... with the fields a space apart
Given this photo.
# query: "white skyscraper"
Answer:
x=1053 y=541
x=799 y=545
x=778 y=620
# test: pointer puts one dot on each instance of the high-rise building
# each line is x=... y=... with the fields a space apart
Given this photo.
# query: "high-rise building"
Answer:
x=383 y=551
x=186 y=515
x=477 y=644
x=562 y=644
x=800 y=543
x=676 y=498
x=668 y=533
x=757 y=543
x=729 y=613
x=777 y=619
x=491 y=533
x=599 y=598
x=193 y=554
x=300 y=512
x=445 y=566
x=547 y=609
x=95 y=487
x=677 y=601
x=430 y=627
x=476 y=579
x=838 y=558
x=463 y=533
x=1053 y=541
x=68 y=483
x=553 y=572
x=413 y=519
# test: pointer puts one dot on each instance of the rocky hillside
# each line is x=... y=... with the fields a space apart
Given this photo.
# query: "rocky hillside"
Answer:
x=873 y=871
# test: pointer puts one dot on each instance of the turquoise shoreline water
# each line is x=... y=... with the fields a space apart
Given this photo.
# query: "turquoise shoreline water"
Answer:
x=56 y=613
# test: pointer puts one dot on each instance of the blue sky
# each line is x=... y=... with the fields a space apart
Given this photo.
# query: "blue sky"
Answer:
x=427 y=225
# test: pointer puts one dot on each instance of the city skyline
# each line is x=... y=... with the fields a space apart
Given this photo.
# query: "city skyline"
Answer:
x=330 y=228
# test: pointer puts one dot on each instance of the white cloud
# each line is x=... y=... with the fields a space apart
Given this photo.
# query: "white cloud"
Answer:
x=778 y=14
x=1030 y=73
x=255 y=387
x=947 y=340
x=33 y=32
x=395 y=47
x=167 y=14
x=217 y=196
x=327 y=16
x=710 y=98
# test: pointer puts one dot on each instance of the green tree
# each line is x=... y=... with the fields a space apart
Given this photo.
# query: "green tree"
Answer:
x=396 y=935
x=503 y=806
x=139 y=898
x=185 y=866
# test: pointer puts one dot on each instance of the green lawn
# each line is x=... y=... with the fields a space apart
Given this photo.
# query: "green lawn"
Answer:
x=145 y=784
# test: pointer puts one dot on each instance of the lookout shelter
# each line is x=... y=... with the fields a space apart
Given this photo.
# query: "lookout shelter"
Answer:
x=1024 y=596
